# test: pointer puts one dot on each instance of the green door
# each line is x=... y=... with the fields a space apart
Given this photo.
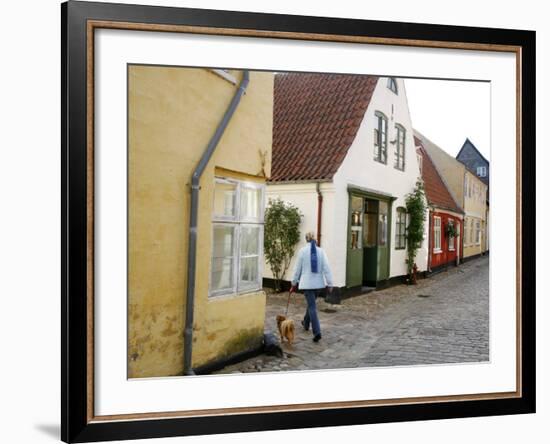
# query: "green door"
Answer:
x=354 y=266
x=370 y=243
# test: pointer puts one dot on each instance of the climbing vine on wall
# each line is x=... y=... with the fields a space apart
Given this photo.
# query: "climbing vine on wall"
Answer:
x=451 y=230
x=416 y=209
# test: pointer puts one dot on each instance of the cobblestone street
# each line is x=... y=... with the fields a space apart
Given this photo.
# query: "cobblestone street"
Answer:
x=443 y=319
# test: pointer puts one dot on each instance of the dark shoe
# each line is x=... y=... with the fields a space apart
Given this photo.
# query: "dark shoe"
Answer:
x=317 y=338
x=304 y=325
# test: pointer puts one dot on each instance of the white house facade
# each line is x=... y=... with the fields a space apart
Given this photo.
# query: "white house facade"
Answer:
x=362 y=197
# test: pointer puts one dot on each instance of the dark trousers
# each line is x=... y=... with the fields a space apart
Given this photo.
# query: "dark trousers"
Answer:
x=311 y=312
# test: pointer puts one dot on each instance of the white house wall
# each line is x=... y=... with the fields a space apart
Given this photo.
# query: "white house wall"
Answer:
x=304 y=196
x=360 y=169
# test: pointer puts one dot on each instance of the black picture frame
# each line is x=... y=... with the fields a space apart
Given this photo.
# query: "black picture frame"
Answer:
x=76 y=424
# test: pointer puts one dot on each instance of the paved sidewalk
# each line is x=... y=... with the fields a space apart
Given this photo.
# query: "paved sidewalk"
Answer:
x=443 y=319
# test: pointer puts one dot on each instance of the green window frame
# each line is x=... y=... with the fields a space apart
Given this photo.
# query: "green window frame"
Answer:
x=401 y=229
x=392 y=85
x=400 y=134
x=380 y=138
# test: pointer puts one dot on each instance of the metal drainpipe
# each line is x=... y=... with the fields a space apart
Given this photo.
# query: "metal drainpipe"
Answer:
x=319 y=212
x=192 y=253
x=430 y=228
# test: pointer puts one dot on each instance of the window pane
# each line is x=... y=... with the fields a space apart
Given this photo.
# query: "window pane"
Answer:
x=251 y=199
x=225 y=194
x=222 y=258
x=382 y=223
x=370 y=230
x=382 y=229
x=356 y=222
x=249 y=271
x=250 y=251
x=223 y=241
x=222 y=274
x=400 y=228
x=250 y=240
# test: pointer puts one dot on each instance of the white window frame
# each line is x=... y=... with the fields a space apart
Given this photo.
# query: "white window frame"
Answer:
x=256 y=186
x=222 y=217
x=238 y=222
x=478 y=231
x=437 y=228
x=250 y=287
x=482 y=171
x=233 y=289
x=420 y=160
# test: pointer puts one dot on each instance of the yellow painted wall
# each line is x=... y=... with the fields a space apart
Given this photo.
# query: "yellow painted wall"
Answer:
x=458 y=178
x=448 y=167
x=173 y=112
x=475 y=207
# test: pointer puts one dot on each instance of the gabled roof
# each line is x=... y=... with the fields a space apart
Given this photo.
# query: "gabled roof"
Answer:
x=315 y=120
x=468 y=142
x=437 y=193
x=433 y=150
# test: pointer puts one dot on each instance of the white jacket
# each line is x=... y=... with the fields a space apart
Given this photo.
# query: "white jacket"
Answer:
x=303 y=274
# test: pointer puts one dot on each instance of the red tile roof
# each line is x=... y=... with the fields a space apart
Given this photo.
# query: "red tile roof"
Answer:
x=437 y=192
x=315 y=120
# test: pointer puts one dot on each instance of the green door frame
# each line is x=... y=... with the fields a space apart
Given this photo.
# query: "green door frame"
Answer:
x=376 y=195
x=352 y=276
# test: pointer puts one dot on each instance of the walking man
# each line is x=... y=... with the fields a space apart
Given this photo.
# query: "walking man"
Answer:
x=311 y=274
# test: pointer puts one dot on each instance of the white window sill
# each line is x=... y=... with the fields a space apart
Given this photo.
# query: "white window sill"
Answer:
x=438 y=251
x=243 y=293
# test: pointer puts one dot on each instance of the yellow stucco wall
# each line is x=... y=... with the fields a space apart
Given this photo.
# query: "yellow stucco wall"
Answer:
x=173 y=112
x=475 y=207
x=449 y=168
x=457 y=177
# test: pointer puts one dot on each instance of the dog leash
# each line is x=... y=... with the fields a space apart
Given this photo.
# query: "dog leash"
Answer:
x=288 y=301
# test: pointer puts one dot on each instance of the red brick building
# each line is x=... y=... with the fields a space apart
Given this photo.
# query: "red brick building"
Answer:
x=445 y=216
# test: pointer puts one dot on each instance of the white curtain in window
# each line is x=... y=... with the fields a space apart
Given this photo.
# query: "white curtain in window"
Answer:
x=223 y=257
x=250 y=202
x=249 y=256
x=225 y=195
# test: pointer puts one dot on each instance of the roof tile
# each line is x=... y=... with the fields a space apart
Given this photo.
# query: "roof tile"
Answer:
x=437 y=192
x=315 y=120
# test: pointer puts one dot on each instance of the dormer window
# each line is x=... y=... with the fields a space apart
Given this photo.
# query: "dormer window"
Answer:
x=392 y=85
x=482 y=171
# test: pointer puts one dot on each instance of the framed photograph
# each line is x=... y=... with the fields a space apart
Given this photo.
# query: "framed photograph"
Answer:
x=275 y=221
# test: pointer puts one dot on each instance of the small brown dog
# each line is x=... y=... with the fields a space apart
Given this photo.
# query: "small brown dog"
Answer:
x=286 y=328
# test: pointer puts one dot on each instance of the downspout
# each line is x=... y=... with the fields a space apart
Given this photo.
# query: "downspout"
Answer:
x=430 y=228
x=459 y=243
x=319 y=212
x=192 y=253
